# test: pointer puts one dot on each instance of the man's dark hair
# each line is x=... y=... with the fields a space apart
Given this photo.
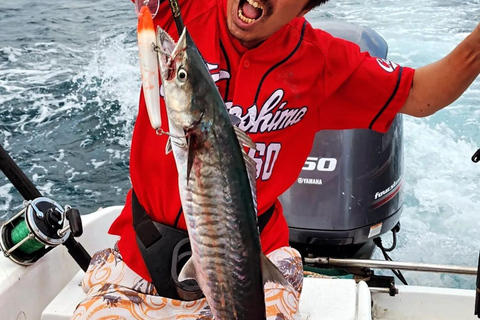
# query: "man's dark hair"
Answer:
x=314 y=3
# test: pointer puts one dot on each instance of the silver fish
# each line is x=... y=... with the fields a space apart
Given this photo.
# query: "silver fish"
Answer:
x=217 y=186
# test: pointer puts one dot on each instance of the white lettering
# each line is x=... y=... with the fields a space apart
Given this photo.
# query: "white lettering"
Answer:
x=322 y=164
x=265 y=158
x=267 y=120
x=310 y=181
x=384 y=192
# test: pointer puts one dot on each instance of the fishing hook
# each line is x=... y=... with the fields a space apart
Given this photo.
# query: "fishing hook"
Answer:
x=161 y=132
x=158 y=49
x=177 y=140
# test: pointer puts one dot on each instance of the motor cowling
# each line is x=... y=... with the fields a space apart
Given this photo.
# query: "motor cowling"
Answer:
x=349 y=190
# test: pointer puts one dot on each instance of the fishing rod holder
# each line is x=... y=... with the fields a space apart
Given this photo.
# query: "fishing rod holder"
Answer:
x=39 y=227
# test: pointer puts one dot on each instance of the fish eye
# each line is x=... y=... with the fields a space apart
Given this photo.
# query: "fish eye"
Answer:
x=182 y=75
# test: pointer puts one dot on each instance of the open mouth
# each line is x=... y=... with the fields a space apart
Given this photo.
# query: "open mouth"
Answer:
x=168 y=53
x=250 y=11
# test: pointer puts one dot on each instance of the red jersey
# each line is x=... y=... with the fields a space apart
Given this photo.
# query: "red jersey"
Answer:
x=299 y=81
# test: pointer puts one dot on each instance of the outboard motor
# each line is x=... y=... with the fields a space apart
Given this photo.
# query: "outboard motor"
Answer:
x=349 y=190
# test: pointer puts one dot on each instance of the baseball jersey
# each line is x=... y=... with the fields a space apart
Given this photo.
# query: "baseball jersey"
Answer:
x=297 y=82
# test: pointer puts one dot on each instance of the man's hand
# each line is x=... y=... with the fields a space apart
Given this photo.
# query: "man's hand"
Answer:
x=437 y=85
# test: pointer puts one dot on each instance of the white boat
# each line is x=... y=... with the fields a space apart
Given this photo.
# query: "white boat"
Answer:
x=49 y=288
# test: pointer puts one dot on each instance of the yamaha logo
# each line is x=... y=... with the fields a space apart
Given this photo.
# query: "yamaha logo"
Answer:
x=309 y=181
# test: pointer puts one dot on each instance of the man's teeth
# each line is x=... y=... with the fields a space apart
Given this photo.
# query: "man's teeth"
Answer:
x=254 y=4
x=243 y=18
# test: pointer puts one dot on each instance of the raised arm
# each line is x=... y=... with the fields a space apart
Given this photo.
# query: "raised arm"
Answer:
x=437 y=85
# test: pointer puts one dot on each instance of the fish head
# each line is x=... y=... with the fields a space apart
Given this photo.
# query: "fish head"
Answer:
x=185 y=78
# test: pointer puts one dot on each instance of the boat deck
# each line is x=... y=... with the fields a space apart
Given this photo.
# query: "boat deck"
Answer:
x=53 y=290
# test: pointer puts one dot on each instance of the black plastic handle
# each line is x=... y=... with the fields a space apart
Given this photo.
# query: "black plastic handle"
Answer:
x=476 y=156
x=73 y=217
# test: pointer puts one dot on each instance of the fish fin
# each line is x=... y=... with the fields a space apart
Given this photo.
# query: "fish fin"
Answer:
x=243 y=138
x=168 y=146
x=165 y=41
x=250 y=164
x=188 y=271
x=191 y=155
x=234 y=119
x=270 y=272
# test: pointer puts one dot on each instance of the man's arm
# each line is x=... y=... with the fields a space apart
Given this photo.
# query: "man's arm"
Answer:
x=437 y=85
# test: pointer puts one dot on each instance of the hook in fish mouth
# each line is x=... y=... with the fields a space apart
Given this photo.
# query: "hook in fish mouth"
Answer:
x=161 y=132
x=159 y=49
x=188 y=130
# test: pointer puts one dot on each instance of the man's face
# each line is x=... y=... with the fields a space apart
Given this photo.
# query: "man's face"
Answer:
x=253 y=21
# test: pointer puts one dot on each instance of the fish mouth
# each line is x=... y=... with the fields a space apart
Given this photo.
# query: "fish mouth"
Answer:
x=251 y=11
x=168 y=51
x=165 y=48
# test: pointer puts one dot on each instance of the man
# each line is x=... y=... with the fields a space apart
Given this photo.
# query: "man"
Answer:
x=285 y=81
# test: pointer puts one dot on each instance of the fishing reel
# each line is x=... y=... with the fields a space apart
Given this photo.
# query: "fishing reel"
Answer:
x=39 y=227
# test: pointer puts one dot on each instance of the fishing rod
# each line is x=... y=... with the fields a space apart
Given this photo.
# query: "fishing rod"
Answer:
x=476 y=159
x=177 y=16
x=41 y=225
x=154 y=5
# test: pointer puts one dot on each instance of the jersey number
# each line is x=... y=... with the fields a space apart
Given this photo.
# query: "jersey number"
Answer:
x=265 y=157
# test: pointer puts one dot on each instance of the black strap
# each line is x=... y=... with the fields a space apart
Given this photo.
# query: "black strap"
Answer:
x=157 y=242
x=143 y=224
x=265 y=217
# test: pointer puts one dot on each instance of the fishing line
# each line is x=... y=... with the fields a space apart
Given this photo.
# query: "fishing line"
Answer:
x=158 y=49
x=177 y=16
x=34 y=230
x=20 y=232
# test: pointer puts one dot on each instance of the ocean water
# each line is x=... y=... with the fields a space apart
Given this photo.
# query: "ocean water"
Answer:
x=69 y=86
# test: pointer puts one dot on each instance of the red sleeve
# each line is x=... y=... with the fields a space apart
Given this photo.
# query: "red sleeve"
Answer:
x=361 y=91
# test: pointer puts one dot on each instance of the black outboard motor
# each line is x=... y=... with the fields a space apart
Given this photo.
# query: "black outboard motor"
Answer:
x=349 y=191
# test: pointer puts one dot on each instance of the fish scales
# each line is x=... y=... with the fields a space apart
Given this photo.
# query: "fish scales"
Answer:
x=218 y=236
x=216 y=226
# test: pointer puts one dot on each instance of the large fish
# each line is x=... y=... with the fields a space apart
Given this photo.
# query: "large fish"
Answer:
x=217 y=186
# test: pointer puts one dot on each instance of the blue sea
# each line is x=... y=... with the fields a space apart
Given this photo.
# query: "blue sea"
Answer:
x=69 y=86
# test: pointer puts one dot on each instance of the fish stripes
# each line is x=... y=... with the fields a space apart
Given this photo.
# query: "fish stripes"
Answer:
x=217 y=187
